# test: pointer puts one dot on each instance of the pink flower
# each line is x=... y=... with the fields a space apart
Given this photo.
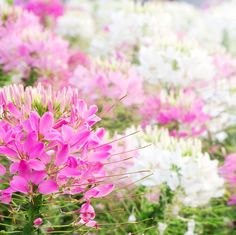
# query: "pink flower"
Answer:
x=225 y=65
x=183 y=118
x=38 y=221
x=50 y=147
x=87 y=214
x=43 y=8
x=228 y=170
x=30 y=53
x=48 y=187
x=78 y=58
x=232 y=200
x=110 y=82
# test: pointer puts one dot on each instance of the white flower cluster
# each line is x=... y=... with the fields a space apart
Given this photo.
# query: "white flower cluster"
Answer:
x=216 y=27
x=129 y=27
x=180 y=164
x=175 y=63
x=77 y=23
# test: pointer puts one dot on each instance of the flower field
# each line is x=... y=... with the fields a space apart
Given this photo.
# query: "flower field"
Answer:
x=117 y=117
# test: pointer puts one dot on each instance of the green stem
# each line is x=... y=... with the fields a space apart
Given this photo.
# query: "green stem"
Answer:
x=33 y=212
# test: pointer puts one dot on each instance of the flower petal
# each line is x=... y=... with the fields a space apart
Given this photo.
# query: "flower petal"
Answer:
x=46 y=123
x=2 y=169
x=19 y=184
x=48 y=187
x=36 y=165
x=62 y=155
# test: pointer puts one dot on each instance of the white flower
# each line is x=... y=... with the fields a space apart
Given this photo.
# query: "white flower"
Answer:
x=161 y=228
x=200 y=180
x=191 y=227
x=171 y=62
x=75 y=23
x=180 y=164
x=132 y=218
x=224 y=35
x=160 y=164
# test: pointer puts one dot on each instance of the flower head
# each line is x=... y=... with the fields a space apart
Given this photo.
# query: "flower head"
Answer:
x=110 y=80
x=43 y=8
x=49 y=145
x=179 y=164
x=228 y=171
x=171 y=110
x=28 y=52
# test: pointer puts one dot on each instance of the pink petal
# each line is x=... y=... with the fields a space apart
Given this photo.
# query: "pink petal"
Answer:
x=19 y=184
x=99 y=156
x=99 y=191
x=62 y=155
x=36 y=165
x=14 y=167
x=72 y=162
x=7 y=151
x=104 y=190
x=37 y=177
x=82 y=107
x=90 y=193
x=80 y=138
x=69 y=172
x=5 y=198
x=92 y=110
x=67 y=132
x=31 y=140
x=38 y=221
x=36 y=150
x=46 y=123
x=12 y=108
x=101 y=132
x=34 y=119
x=24 y=170
x=48 y=187
x=2 y=170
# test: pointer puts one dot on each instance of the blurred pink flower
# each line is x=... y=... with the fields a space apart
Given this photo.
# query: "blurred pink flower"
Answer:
x=43 y=8
x=180 y=117
x=225 y=66
x=228 y=170
x=38 y=221
x=109 y=82
x=29 y=53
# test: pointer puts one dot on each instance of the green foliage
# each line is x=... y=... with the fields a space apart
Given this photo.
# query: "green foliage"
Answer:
x=216 y=218
x=118 y=119
x=33 y=76
x=5 y=78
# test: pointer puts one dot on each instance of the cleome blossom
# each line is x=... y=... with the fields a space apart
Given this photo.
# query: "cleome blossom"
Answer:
x=43 y=8
x=183 y=118
x=228 y=170
x=180 y=165
x=110 y=80
x=28 y=52
x=49 y=146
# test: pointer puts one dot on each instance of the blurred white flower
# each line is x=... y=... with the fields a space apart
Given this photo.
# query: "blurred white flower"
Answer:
x=132 y=218
x=178 y=163
x=171 y=62
x=161 y=228
x=191 y=227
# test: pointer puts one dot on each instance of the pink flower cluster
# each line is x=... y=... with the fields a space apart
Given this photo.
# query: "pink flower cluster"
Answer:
x=228 y=170
x=43 y=8
x=48 y=146
x=225 y=66
x=26 y=49
x=110 y=81
x=182 y=117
